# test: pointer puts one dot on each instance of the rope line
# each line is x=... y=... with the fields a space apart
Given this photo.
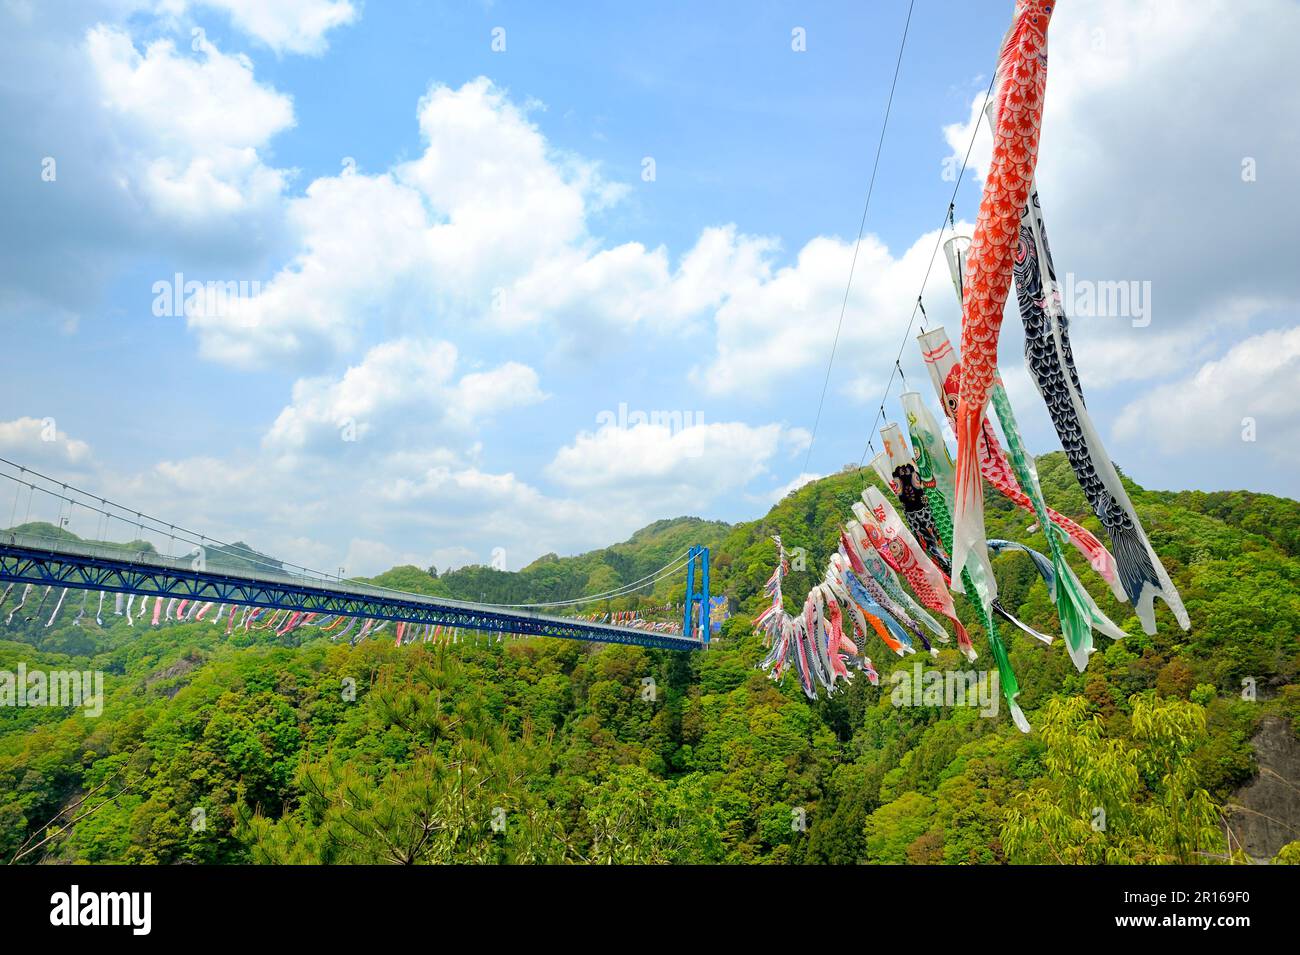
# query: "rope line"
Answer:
x=858 y=244
x=947 y=219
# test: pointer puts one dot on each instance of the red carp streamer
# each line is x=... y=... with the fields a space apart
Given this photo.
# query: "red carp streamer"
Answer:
x=1020 y=86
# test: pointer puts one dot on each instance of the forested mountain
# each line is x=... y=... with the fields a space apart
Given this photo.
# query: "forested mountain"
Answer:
x=252 y=748
x=552 y=578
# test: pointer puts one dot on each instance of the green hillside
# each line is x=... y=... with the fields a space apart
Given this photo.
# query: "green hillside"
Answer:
x=257 y=749
x=551 y=578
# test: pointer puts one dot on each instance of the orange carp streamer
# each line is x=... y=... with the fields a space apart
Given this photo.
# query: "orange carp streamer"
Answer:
x=1018 y=97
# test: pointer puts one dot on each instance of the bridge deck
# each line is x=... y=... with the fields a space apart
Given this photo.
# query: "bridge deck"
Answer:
x=87 y=566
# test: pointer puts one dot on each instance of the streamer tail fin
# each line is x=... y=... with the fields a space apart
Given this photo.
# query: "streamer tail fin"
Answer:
x=968 y=506
x=1144 y=579
x=1010 y=618
x=1075 y=618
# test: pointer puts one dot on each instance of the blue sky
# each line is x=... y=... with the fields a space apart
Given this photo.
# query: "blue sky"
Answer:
x=439 y=325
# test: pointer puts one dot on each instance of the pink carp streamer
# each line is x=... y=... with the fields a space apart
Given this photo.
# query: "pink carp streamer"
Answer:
x=927 y=580
x=884 y=571
x=1021 y=82
x=843 y=649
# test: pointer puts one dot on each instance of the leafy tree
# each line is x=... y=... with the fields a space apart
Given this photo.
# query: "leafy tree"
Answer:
x=1108 y=800
x=638 y=818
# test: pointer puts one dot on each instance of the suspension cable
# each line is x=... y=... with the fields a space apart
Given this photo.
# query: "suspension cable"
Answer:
x=617 y=592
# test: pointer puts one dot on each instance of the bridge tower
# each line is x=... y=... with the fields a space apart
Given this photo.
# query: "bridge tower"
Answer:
x=697 y=601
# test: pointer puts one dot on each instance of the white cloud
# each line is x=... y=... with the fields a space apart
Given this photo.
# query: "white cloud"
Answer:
x=483 y=393
x=399 y=388
x=779 y=323
x=196 y=125
x=361 y=239
x=469 y=506
x=286 y=26
x=431 y=243
x=367 y=558
x=684 y=467
x=159 y=152
x=488 y=227
x=414 y=416
x=504 y=199
x=38 y=443
x=614 y=481
x=447 y=514
x=1255 y=379
x=587 y=294
x=278 y=512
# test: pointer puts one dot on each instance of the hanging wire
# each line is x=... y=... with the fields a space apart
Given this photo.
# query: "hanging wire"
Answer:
x=13 y=513
x=948 y=219
x=839 y=324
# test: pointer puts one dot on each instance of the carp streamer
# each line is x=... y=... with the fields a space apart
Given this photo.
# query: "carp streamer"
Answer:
x=945 y=374
x=864 y=557
x=1077 y=611
x=890 y=536
x=814 y=643
x=1051 y=363
x=1020 y=83
x=928 y=447
x=935 y=467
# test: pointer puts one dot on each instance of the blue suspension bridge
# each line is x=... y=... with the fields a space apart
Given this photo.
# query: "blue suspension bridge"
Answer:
x=222 y=574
